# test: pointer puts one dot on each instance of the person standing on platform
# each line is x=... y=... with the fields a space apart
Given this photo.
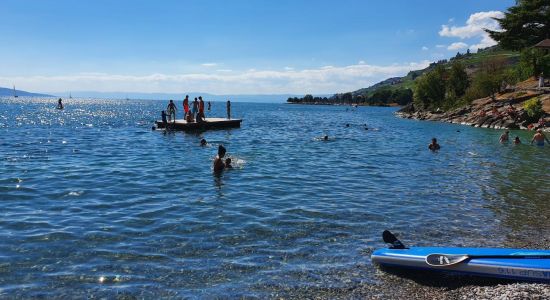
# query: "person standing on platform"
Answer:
x=171 y=110
x=185 y=106
x=200 y=116
x=195 y=109
x=209 y=105
x=228 y=110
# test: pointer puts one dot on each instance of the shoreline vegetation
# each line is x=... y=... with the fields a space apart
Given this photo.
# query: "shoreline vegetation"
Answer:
x=501 y=87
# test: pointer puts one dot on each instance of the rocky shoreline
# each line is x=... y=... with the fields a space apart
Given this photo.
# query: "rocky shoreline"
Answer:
x=504 y=111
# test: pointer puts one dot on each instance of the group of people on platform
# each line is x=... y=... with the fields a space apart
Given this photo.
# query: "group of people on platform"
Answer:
x=193 y=113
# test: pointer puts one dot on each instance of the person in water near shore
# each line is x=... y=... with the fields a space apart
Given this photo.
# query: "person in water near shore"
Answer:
x=228 y=105
x=434 y=145
x=171 y=110
x=516 y=140
x=219 y=164
x=539 y=137
x=203 y=142
x=185 y=106
x=504 y=137
x=59 y=104
x=228 y=163
x=325 y=138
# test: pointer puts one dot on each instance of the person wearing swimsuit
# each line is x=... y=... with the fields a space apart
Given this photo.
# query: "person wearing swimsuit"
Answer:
x=171 y=111
x=539 y=137
x=185 y=106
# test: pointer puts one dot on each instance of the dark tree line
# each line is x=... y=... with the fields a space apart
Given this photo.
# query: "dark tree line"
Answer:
x=380 y=97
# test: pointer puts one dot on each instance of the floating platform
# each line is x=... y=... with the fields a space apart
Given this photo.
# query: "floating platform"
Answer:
x=209 y=123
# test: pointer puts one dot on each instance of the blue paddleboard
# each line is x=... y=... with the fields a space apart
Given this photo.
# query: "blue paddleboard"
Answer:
x=515 y=264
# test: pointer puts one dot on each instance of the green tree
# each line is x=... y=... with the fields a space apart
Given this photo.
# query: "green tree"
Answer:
x=490 y=79
x=458 y=80
x=347 y=97
x=533 y=107
x=525 y=24
x=402 y=96
x=430 y=89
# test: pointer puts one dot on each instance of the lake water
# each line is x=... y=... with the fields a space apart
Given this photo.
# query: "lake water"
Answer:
x=93 y=202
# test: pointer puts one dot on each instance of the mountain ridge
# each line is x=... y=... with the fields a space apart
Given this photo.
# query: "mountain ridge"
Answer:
x=9 y=92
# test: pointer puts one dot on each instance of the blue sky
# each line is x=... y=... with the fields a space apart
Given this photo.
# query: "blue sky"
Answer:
x=223 y=47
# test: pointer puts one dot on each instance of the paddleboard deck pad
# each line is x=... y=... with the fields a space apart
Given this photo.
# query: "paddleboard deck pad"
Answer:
x=522 y=268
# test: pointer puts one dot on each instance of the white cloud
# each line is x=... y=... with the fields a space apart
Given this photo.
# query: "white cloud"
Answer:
x=457 y=46
x=362 y=62
x=485 y=42
x=209 y=64
x=424 y=48
x=224 y=70
x=475 y=28
x=440 y=46
x=330 y=79
x=289 y=68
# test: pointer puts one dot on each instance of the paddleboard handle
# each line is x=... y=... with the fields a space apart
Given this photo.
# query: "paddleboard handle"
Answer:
x=389 y=238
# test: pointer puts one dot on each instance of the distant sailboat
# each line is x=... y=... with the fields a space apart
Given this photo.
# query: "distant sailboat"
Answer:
x=127 y=97
x=70 y=97
x=14 y=92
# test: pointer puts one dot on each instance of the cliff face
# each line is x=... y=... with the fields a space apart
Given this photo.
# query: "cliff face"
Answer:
x=505 y=111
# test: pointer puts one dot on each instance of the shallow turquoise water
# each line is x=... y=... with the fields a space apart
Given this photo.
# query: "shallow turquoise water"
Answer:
x=95 y=202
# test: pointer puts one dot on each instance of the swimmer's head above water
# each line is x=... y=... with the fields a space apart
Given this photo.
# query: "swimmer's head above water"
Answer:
x=221 y=151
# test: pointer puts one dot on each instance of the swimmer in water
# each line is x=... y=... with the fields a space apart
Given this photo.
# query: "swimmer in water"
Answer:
x=219 y=165
x=228 y=163
x=203 y=142
x=504 y=137
x=434 y=145
x=516 y=140
x=539 y=137
x=325 y=138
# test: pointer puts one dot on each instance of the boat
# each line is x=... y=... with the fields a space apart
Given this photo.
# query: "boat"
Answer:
x=14 y=92
x=498 y=263
x=70 y=96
